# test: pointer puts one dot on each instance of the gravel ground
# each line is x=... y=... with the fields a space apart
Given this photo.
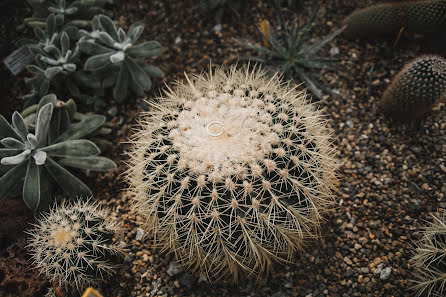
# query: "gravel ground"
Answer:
x=392 y=176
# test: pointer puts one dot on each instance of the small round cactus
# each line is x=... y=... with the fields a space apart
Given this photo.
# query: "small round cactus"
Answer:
x=73 y=244
x=232 y=172
x=430 y=259
x=415 y=89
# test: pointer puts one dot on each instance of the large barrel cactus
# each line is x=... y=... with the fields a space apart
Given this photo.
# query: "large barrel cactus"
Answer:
x=389 y=18
x=232 y=172
x=74 y=244
x=415 y=89
x=429 y=259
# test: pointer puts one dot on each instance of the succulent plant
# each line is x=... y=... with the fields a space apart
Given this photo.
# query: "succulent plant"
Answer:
x=57 y=68
x=76 y=12
x=36 y=161
x=232 y=172
x=429 y=259
x=74 y=244
x=118 y=60
x=286 y=52
x=415 y=89
x=64 y=115
x=389 y=18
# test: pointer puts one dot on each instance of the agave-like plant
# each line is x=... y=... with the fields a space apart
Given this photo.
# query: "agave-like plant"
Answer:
x=287 y=52
x=37 y=162
x=117 y=60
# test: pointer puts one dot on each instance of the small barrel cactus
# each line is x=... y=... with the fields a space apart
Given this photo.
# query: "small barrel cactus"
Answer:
x=232 y=172
x=389 y=18
x=429 y=259
x=415 y=89
x=75 y=244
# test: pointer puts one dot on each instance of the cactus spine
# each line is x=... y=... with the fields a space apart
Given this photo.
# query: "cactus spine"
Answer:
x=73 y=244
x=429 y=259
x=232 y=172
x=415 y=89
x=389 y=18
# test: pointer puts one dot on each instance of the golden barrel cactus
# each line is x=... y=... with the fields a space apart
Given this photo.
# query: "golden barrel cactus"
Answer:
x=232 y=171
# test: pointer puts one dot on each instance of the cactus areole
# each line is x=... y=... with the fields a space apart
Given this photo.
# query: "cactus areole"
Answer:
x=232 y=172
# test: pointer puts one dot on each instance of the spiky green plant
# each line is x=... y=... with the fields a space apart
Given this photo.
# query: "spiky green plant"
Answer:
x=390 y=18
x=36 y=161
x=429 y=258
x=78 y=13
x=117 y=59
x=75 y=244
x=232 y=172
x=415 y=89
x=287 y=52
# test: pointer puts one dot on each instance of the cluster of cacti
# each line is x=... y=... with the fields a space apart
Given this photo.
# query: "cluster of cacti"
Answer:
x=429 y=259
x=75 y=244
x=287 y=52
x=78 y=13
x=35 y=161
x=83 y=63
x=117 y=59
x=390 y=18
x=415 y=89
x=232 y=172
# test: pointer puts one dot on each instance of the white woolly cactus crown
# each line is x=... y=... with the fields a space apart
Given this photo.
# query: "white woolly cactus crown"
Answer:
x=232 y=171
x=73 y=244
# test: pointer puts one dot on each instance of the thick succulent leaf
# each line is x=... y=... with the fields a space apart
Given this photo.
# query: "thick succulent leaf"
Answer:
x=66 y=180
x=17 y=159
x=11 y=178
x=34 y=69
x=121 y=35
x=70 y=107
x=134 y=32
x=6 y=130
x=92 y=163
x=83 y=128
x=108 y=26
x=146 y=50
x=93 y=48
x=40 y=34
x=50 y=98
x=44 y=87
x=153 y=71
x=31 y=186
x=75 y=148
x=13 y=143
x=122 y=83
x=52 y=71
x=43 y=122
x=138 y=74
x=86 y=79
x=97 y=62
x=51 y=24
x=64 y=43
x=19 y=125
x=107 y=39
x=136 y=88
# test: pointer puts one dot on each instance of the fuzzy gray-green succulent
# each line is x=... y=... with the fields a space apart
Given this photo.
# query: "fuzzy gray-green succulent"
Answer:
x=58 y=66
x=36 y=161
x=118 y=60
x=76 y=12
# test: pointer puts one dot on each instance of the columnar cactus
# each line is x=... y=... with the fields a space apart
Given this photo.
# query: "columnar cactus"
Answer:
x=429 y=259
x=74 y=244
x=389 y=18
x=415 y=89
x=232 y=172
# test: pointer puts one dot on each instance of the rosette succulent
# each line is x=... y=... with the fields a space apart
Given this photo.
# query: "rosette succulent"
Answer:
x=117 y=59
x=36 y=161
x=232 y=172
